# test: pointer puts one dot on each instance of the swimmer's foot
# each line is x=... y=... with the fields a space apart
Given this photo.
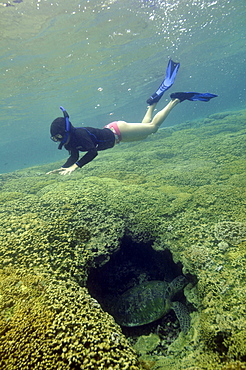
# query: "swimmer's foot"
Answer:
x=171 y=72
x=192 y=96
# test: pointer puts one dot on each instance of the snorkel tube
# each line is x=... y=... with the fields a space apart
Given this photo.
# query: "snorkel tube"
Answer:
x=67 y=128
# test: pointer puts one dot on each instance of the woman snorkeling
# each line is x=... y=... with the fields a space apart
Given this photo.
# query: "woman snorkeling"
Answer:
x=92 y=140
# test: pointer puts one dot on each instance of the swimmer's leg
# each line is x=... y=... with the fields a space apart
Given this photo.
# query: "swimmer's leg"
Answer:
x=160 y=117
x=140 y=131
x=148 y=115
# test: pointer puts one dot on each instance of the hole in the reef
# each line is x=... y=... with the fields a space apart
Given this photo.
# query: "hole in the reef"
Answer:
x=133 y=264
x=220 y=343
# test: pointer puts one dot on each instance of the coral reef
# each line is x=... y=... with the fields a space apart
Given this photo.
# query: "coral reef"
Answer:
x=147 y=343
x=50 y=324
x=181 y=190
x=230 y=232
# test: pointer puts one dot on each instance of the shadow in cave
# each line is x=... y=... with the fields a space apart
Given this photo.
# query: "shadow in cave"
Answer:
x=133 y=264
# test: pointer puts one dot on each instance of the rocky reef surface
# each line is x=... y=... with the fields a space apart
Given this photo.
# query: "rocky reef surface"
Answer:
x=151 y=210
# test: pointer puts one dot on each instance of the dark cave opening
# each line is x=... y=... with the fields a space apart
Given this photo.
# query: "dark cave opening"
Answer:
x=133 y=264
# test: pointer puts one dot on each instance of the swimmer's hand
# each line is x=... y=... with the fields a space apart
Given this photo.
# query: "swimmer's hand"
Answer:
x=69 y=170
x=64 y=171
x=54 y=171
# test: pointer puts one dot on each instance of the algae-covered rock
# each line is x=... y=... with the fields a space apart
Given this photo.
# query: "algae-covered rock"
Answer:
x=147 y=343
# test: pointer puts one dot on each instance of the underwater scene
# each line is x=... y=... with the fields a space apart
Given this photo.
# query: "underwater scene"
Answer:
x=137 y=260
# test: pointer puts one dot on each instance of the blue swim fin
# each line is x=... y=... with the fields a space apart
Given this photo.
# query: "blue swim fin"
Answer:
x=192 y=96
x=171 y=71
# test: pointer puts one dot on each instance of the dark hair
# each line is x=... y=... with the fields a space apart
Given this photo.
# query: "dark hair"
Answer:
x=58 y=126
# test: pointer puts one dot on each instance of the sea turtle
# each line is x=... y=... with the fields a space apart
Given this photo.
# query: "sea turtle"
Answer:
x=150 y=301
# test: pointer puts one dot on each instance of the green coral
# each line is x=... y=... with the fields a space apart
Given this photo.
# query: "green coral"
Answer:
x=182 y=189
x=49 y=324
x=231 y=232
x=237 y=365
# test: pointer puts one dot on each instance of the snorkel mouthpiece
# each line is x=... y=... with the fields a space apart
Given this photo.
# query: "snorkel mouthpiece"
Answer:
x=67 y=128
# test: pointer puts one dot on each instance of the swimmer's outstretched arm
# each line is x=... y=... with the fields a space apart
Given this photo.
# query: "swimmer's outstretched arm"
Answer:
x=72 y=164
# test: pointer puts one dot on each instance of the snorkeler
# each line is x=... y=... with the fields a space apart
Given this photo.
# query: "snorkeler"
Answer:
x=92 y=140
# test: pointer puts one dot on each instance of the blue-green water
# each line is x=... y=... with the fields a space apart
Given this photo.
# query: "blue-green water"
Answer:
x=102 y=59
